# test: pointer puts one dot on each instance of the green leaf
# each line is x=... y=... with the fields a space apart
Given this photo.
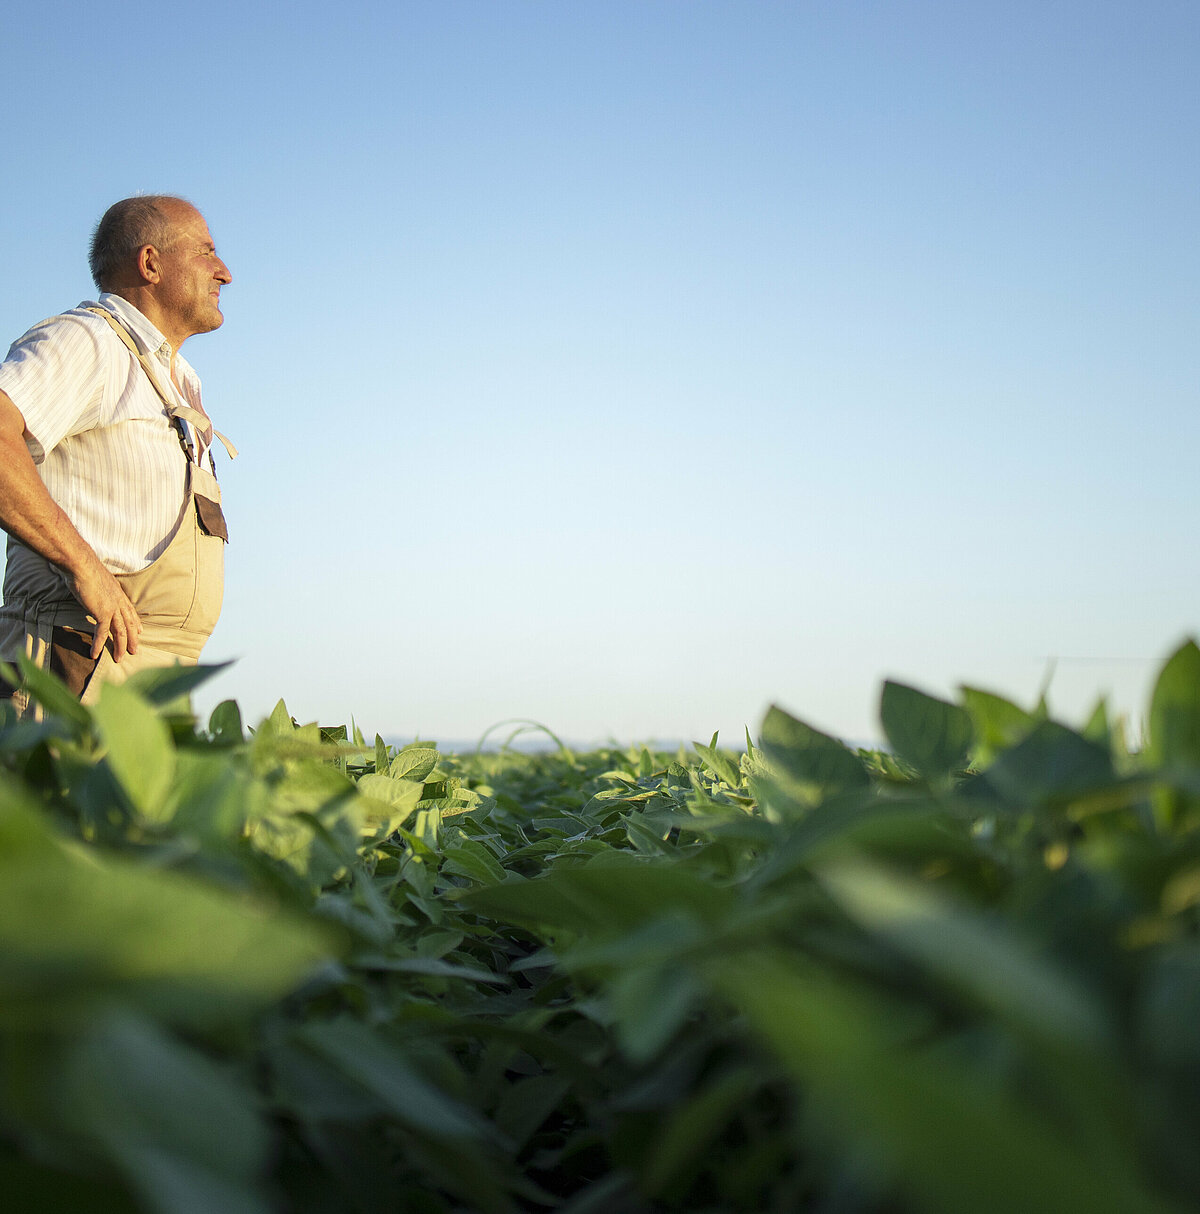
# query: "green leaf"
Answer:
x=604 y=896
x=210 y=796
x=853 y=821
x=985 y=960
x=225 y=723
x=52 y=694
x=138 y=747
x=367 y=1057
x=35 y=1186
x=998 y=723
x=718 y=764
x=526 y=1103
x=1169 y=1010
x=645 y=764
x=161 y=685
x=390 y=802
x=279 y=723
x=25 y=834
x=466 y=858
x=1175 y=710
x=693 y=1123
x=1050 y=767
x=414 y=763
x=947 y=1134
x=932 y=735
x=1098 y=729
x=432 y=967
x=813 y=759
x=651 y=1004
x=313 y=821
x=181 y=1131
x=78 y=929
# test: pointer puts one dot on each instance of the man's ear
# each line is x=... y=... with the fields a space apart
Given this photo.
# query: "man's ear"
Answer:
x=149 y=269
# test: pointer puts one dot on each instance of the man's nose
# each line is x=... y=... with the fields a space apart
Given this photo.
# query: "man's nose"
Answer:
x=223 y=274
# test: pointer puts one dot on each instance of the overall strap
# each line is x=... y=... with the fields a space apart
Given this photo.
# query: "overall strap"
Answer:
x=176 y=411
x=208 y=502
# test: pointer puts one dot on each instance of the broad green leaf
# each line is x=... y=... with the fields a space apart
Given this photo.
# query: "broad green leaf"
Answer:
x=414 y=763
x=25 y=834
x=998 y=723
x=378 y=1066
x=432 y=967
x=279 y=723
x=313 y=820
x=172 y=1182
x=693 y=1123
x=1168 y=1010
x=78 y=930
x=427 y=826
x=932 y=735
x=718 y=764
x=651 y=1004
x=1175 y=710
x=161 y=685
x=948 y=1135
x=137 y=747
x=399 y=796
x=645 y=764
x=225 y=723
x=472 y=860
x=603 y=896
x=184 y=1135
x=983 y=960
x=438 y=944
x=211 y=796
x=311 y=1089
x=526 y=1103
x=855 y=822
x=1097 y=728
x=52 y=694
x=813 y=759
x=37 y=1186
x=1050 y=767
x=310 y=785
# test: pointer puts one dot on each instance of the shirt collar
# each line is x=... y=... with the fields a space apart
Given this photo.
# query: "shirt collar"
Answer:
x=145 y=334
x=148 y=338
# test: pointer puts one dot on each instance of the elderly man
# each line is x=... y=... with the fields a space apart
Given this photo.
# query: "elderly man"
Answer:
x=107 y=483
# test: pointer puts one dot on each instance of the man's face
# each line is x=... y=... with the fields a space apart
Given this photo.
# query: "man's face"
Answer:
x=192 y=275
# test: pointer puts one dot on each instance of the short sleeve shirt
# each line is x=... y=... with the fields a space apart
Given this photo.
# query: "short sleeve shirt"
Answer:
x=98 y=432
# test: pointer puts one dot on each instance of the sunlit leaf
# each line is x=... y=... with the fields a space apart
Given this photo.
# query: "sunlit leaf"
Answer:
x=138 y=746
x=1175 y=709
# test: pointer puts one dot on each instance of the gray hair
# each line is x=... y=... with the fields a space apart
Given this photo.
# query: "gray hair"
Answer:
x=126 y=227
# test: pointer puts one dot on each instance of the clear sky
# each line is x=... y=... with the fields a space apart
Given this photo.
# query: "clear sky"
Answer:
x=632 y=364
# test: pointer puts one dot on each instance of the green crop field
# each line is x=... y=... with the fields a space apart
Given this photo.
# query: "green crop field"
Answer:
x=289 y=970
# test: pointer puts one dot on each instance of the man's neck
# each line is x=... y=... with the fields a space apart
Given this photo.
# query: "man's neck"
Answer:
x=147 y=305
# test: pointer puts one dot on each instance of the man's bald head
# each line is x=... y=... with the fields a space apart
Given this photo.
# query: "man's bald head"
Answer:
x=126 y=228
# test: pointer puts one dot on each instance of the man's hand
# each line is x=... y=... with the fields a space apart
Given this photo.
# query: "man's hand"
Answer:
x=106 y=602
x=28 y=512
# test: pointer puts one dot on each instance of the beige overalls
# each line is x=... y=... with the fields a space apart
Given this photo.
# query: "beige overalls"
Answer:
x=178 y=596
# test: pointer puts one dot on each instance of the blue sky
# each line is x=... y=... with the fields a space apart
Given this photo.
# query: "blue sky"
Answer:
x=632 y=365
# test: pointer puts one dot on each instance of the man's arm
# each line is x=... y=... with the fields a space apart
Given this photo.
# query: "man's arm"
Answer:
x=28 y=512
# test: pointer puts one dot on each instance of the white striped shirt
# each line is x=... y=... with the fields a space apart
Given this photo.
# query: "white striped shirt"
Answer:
x=99 y=433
